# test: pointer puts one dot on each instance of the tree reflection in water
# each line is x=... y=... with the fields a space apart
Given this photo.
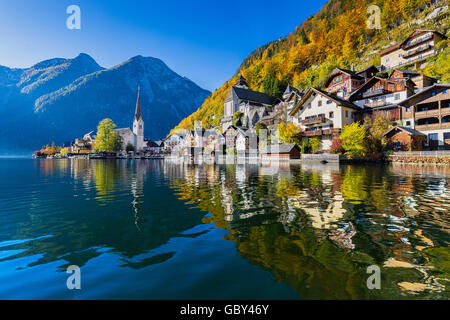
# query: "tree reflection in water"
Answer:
x=318 y=227
x=315 y=227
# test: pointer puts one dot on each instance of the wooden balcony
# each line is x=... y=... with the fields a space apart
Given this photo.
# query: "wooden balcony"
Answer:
x=417 y=42
x=445 y=125
x=427 y=114
x=375 y=92
x=312 y=133
x=416 y=51
x=331 y=131
x=375 y=104
x=445 y=111
x=425 y=127
x=315 y=120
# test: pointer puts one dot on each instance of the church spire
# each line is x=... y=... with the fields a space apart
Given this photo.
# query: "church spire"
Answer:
x=138 y=113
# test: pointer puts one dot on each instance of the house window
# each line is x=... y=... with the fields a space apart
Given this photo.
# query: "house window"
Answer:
x=397 y=96
x=329 y=101
x=331 y=115
x=346 y=113
x=407 y=109
x=319 y=103
x=353 y=115
x=444 y=91
x=433 y=137
x=309 y=105
x=408 y=123
x=433 y=93
x=446 y=135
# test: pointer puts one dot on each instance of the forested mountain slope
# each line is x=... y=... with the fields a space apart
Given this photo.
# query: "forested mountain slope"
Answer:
x=336 y=36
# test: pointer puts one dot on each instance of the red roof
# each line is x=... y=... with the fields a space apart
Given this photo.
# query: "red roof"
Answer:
x=390 y=49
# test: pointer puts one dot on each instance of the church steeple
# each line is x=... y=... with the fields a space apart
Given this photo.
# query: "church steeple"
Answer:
x=138 y=123
x=138 y=113
x=241 y=82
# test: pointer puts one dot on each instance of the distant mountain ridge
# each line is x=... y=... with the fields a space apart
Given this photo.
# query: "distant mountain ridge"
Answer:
x=61 y=99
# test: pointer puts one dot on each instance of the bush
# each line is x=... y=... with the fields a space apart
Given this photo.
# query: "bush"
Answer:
x=129 y=147
x=305 y=147
x=354 y=139
x=336 y=145
x=315 y=144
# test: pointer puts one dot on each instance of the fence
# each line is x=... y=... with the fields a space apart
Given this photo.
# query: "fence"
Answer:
x=439 y=153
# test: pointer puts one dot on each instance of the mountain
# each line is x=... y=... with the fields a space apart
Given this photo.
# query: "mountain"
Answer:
x=62 y=99
x=336 y=36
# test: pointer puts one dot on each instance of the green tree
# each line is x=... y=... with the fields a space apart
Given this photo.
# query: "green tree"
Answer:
x=306 y=147
x=260 y=126
x=377 y=126
x=289 y=133
x=315 y=144
x=303 y=38
x=353 y=138
x=129 y=147
x=107 y=139
x=237 y=118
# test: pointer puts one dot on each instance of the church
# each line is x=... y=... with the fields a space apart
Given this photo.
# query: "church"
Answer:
x=134 y=137
x=253 y=104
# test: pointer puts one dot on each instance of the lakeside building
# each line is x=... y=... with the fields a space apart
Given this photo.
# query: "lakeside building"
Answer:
x=282 y=151
x=429 y=111
x=419 y=45
x=174 y=141
x=247 y=144
x=320 y=114
x=134 y=137
x=405 y=139
x=253 y=104
x=380 y=95
x=153 y=146
x=85 y=145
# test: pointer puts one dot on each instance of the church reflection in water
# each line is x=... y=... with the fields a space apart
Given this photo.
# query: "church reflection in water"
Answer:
x=316 y=227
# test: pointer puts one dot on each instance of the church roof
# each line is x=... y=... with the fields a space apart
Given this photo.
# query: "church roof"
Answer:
x=138 y=113
x=250 y=95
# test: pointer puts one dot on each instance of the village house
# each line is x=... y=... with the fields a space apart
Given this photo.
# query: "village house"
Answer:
x=420 y=81
x=429 y=111
x=323 y=115
x=419 y=45
x=230 y=136
x=85 y=145
x=343 y=82
x=247 y=144
x=283 y=151
x=174 y=141
x=153 y=146
x=214 y=142
x=381 y=96
x=253 y=104
x=134 y=137
x=405 y=139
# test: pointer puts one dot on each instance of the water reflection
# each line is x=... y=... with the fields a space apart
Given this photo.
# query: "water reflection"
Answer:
x=317 y=227
x=314 y=227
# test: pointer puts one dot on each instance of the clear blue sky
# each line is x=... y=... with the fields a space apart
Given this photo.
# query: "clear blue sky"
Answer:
x=203 y=40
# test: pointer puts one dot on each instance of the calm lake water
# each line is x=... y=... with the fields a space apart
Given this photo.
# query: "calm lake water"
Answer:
x=160 y=230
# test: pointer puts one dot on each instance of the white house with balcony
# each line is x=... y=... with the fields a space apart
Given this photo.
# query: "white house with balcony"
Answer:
x=323 y=115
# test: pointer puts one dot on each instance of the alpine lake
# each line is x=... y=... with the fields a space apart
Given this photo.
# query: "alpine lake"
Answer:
x=157 y=229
